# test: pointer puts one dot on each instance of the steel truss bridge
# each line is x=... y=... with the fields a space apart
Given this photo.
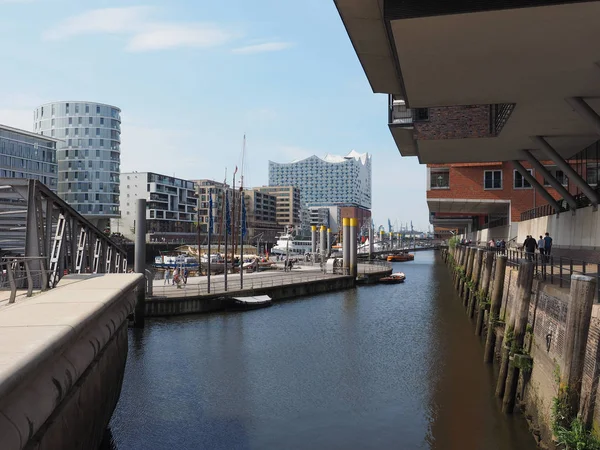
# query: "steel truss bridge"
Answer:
x=40 y=228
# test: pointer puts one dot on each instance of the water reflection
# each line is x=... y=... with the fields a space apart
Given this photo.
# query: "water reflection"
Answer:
x=384 y=366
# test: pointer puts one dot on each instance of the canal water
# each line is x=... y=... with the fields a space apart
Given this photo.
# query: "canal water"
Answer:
x=379 y=367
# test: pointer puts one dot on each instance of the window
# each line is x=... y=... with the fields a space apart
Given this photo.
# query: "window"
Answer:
x=101 y=120
x=66 y=107
x=66 y=131
x=592 y=174
x=558 y=174
x=90 y=142
x=52 y=133
x=97 y=153
x=90 y=121
x=519 y=181
x=70 y=121
x=79 y=120
x=439 y=179
x=76 y=109
x=97 y=110
x=101 y=142
x=53 y=110
x=492 y=179
x=87 y=109
x=53 y=122
x=97 y=131
x=87 y=131
x=421 y=114
x=76 y=131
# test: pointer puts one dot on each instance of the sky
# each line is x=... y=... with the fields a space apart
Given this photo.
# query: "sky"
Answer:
x=192 y=77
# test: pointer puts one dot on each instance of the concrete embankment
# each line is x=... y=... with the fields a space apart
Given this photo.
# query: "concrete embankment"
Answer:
x=63 y=361
x=172 y=306
x=545 y=339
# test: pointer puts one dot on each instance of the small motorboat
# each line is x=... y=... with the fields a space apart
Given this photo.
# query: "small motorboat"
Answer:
x=394 y=278
x=245 y=303
x=401 y=257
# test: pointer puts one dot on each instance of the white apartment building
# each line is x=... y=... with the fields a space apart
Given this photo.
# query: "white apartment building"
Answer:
x=171 y=207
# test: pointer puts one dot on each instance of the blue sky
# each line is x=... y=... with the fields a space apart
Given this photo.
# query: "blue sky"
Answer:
x=191 y=77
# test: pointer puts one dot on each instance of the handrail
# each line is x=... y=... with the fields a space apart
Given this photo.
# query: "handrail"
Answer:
x=13 y=267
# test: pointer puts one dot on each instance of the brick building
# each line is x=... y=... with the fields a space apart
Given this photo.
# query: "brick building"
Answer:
x=476 y=196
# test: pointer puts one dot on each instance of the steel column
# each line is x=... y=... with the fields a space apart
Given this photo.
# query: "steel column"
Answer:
x=535 y=183
x=589 y=192
x=548 y=176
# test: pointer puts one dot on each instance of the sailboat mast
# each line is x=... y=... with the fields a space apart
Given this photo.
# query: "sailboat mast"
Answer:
x=242 y=217
x=222 y=213
x=233 y=220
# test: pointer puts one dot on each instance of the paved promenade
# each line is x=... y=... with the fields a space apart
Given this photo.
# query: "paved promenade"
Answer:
x=197 y=286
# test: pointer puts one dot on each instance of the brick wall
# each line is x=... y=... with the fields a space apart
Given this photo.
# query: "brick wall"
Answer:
x=455 y=122
x=466 y=182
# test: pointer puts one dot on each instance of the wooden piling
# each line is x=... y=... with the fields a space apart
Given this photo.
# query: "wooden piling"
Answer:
x=476 y=277
x=486 y=275
x=521 y=312
x=495 y=305
x=583 y=290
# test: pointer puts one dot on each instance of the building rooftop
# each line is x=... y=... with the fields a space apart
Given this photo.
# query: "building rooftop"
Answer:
x=29 y=133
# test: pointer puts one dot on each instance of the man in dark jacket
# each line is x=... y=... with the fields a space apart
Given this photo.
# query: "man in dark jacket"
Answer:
x=530 y=245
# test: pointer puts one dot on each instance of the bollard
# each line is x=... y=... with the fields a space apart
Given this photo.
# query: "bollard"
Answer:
x=582 y=293
x=140 y=262
x=323 y=242
x=346 y=245
x=353 y=247
x=486 y=275
x=328 y=252
x=521 y=312
x=313 y=239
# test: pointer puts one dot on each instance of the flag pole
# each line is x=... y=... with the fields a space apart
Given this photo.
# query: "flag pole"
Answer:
x=227 y=225
x=242 y=218
x=210 y=225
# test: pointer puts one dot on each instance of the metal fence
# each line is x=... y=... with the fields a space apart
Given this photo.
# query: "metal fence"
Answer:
x=22 y=273
x=550 y=269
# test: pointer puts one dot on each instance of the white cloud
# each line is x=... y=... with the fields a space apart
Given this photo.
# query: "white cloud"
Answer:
x=143 y=33
x=262 y=48
x=108 y=20
x=161 y=36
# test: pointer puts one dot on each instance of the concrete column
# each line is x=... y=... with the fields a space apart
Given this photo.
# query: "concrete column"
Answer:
x=353 y=247
x=567 y=169
x=584 y=110
x=536 y=184
x=583 y=290
x=140 y=262
x=521 y=313
x=548 y=176
x=346 y=244
x=328 y=242
x=496 y=304
x=486 y=275
x=313 y=239
x=323 y=239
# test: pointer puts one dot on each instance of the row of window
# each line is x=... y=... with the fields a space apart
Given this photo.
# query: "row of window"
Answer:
x=76 y=107
x=48 y=181
x=492 y=179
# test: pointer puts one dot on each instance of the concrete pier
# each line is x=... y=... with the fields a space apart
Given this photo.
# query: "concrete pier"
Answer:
x=63 y=362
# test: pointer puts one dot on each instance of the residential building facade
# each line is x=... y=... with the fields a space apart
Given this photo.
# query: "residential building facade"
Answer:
x=261 y=216
x=88 y=154
x=205 y=189
x=24 y=154
x=287 y=205
x=171 y=207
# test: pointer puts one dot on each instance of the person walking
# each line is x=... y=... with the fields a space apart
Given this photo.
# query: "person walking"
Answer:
x=530 y=245
x=186 y=273
x=547 y=245
x=540 y=245
x=167 y=275
x=175 y=276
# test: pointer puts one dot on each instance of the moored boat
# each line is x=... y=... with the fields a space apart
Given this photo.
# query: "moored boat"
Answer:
x=245 y=303
x=394 y=278
x=401 y=257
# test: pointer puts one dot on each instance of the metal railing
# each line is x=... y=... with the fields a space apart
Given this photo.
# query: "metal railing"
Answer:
x=499 y=114
x=555 y=270
x=20 y=273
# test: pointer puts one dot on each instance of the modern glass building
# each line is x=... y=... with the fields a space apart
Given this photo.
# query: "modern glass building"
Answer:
x=24 y=154
x=334 y=180
x=88 y=155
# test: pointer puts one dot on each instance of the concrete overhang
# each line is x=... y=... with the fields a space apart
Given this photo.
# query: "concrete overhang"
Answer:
x=405 y=140
x=533 y=54
x=467 y=206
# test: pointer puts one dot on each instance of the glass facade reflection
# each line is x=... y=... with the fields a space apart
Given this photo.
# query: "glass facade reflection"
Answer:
x=28 y=155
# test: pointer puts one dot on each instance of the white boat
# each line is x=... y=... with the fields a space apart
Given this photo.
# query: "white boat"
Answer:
x=288 y=243
x=255 y=302
x=164 y=261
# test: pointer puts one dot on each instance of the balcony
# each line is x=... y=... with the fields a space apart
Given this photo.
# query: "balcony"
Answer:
x=401 y=116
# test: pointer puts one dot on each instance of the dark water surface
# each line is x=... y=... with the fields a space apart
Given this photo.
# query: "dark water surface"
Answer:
x=379 y=367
